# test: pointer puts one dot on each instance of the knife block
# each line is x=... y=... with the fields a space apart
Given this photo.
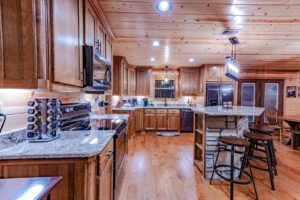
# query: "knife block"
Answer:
x=43 y=118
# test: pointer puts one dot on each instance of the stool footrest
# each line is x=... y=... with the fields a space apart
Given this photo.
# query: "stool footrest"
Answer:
x=250 y=179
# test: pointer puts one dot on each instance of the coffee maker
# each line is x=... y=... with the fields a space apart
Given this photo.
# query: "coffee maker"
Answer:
x=145 y=102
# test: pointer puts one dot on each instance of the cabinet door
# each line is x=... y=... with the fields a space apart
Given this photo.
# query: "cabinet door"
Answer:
x=214 y=73
x=125 y=78
x=17 y=44
x=108 y=49
x=190 y=82
x=106 y=182
x=100 y=38
x=67 y=40
x=131 y=81
x=143 y=81
x=150 y=121
x=173 y=122
x=161 y=121
x=139 y=120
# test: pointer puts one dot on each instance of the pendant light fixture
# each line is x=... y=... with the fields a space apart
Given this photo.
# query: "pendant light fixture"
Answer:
x=166 y=76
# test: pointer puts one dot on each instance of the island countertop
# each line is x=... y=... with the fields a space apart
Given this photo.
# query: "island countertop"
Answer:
x=71 y=144
x=234 y=111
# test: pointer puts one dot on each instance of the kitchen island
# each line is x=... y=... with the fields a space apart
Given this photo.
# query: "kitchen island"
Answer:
x=212 y=122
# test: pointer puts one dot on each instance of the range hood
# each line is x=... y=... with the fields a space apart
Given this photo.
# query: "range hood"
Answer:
x=96 y=71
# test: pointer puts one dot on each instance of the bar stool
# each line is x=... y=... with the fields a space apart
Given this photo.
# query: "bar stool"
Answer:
x=264 y=141
x=234 y=142
x=268 y=131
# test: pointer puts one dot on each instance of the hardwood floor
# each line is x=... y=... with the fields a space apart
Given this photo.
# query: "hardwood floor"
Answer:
x=161 y=168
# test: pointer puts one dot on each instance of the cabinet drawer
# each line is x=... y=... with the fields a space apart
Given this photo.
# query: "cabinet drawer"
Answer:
x=173 y=111
x=161 y=111
x=149 y=111
x=105 y=156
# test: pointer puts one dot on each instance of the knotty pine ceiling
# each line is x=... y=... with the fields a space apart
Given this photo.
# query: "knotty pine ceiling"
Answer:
x=269 y=32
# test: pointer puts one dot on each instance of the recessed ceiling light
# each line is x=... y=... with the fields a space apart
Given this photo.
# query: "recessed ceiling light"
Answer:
x=155 y=43
x=164 y=5
x=152 y=59
x=191 y=60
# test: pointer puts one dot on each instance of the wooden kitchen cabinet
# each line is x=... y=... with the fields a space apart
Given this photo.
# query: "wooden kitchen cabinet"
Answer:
x=106 y=173
x=174 y=119
x=17 y=44
x=108 y=50
x=67 y=40
x=139 y=122
x=150 y=119
x=120 y=76
x=143 y=81
x=82 y=178
x=161 y=119
x=131 y=80
x=190 y=81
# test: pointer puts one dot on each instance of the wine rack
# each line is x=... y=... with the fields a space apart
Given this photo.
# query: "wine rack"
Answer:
x=43 y=120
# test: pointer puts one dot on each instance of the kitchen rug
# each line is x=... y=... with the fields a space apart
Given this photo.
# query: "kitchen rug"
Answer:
x=170 y=133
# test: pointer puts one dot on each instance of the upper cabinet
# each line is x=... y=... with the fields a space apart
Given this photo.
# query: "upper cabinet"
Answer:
x=190 y=79
x=216 y=74
x=108 y=50
x=119 y=75
x=17 y=44
x=143 y=81
x=67 y=41
x=131 y=78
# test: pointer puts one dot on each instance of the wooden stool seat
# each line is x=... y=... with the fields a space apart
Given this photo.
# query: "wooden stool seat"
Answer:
x=258 y=136
x=261 y=129
x=235 y=141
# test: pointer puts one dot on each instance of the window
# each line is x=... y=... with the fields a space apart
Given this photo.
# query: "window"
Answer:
x=164 y=89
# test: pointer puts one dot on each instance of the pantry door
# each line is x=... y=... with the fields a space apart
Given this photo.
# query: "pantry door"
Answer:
x=261 y=93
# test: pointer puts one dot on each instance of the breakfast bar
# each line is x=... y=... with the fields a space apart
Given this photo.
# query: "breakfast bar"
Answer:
x=212 y=122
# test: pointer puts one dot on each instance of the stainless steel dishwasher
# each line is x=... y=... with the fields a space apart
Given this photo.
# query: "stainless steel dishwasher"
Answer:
x=186 y=120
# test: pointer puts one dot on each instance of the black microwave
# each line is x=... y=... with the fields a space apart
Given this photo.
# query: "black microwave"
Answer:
x=97 y=75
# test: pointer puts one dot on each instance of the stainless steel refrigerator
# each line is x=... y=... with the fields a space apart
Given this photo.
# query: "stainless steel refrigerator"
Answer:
x=217 y=94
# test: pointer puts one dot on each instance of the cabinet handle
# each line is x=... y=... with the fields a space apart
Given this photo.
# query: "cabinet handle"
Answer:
x=110 y=154
x=98 y=44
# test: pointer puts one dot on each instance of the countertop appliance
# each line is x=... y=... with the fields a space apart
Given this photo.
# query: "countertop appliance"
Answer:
x=186 y=120
x=145 y=102
x=219 y=94
x=97 y=74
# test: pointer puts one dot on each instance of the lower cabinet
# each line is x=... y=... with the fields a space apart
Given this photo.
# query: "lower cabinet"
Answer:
x=173 y=119
x=139 y=122
x=82 y=178
x=162 y=119
x=150 y=120
x=106 y=182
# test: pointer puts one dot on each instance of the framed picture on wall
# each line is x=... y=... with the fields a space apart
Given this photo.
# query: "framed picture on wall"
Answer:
x=291 y=91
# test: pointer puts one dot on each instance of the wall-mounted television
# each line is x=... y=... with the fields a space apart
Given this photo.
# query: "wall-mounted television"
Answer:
x=232 y=68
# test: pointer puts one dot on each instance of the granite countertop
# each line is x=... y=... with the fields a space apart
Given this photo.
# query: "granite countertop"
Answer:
x=109 y=116
x=235 y=111
x=153 y=107
x=71 y=144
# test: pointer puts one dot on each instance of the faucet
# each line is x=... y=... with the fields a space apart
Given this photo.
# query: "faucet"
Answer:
x=166 y=104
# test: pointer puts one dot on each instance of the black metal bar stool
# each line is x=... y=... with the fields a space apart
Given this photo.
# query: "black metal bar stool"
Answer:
x=234 y=142
x=268 y=131
x=264 y=141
